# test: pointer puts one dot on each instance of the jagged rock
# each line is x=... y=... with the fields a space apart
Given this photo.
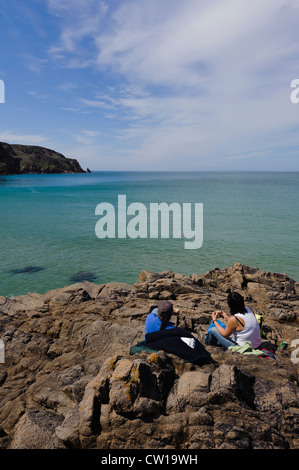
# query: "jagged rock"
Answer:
x=36 y=429
x=18 y=159
x=69 y=380
x=190 y=392
x=228 y=382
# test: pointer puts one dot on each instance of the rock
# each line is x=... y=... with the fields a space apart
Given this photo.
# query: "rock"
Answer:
x=69 y=380
x=36 y=430
x=228 y=383
x=8 y=163
x=68 y=431
x=18 y=159
x=190 y=392
x=267 y=397
x=283 y=315
x=88 y=418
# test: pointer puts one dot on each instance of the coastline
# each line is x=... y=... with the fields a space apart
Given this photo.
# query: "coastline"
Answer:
x=68 y=366
x=20 y=159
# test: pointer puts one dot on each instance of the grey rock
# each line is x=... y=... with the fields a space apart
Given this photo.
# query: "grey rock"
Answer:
x=69 y=380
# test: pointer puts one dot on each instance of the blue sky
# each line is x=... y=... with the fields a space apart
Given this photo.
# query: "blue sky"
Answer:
x=153 y=85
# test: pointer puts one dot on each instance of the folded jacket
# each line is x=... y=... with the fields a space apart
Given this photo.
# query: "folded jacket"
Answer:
x=246 y=348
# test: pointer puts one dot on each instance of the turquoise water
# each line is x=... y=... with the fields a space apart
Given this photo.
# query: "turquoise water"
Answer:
x=48 y=222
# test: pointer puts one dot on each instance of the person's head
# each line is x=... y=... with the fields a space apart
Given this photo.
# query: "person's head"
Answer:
x=165 y=311
x=236 y=303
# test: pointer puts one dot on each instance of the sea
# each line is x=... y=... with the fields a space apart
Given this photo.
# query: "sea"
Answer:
x=48 y=226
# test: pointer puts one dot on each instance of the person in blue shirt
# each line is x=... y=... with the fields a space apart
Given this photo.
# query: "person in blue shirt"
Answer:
x=159 y=318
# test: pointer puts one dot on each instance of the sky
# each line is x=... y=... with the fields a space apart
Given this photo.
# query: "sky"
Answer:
x=194 y=85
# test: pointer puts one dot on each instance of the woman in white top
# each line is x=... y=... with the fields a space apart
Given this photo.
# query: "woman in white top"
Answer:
x=241 y=325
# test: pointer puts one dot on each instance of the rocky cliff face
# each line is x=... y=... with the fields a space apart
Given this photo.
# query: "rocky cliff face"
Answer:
x=18 y=159
x=69 y=381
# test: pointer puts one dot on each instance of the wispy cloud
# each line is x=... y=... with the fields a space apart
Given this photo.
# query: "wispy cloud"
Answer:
x=87 y=137
x=34 y=64
x=37 y=95
x=79 y=21
x=191 y=80
x=14 y=138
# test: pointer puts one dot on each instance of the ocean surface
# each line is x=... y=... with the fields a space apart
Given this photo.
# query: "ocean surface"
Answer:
x=47 y=226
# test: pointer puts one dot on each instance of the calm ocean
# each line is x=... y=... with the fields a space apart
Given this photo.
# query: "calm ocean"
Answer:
x=48 y=225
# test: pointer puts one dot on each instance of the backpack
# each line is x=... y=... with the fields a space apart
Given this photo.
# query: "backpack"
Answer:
x=260 y=318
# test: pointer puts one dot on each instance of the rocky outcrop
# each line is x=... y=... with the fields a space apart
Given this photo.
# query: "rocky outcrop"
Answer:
x=18 y=159
x=69 y=380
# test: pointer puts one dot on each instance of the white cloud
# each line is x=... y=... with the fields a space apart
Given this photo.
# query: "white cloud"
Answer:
x=79 y=20
x=190 y=42
x=34 y=64
x=37 y=95
x=90 y=133
x=193 y=80
x=67 y=86
x=87 y=137
x=96 y=103
x=14 y=138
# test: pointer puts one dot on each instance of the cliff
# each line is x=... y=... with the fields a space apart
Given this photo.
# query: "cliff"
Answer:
x=69 y=379
x=19 y=159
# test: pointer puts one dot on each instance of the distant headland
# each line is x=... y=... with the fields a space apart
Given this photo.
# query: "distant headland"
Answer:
x=19 y=159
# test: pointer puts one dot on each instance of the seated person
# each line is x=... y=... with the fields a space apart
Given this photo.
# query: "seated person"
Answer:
x=159 y=318
x=241 y=325
x=162 y=334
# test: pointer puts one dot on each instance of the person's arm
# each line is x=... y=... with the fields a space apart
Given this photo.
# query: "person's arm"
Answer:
x=230 y=327
x=152 y=323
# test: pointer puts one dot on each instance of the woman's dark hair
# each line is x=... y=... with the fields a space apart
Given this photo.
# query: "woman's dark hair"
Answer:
x=236 y=303
x=165 y=311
